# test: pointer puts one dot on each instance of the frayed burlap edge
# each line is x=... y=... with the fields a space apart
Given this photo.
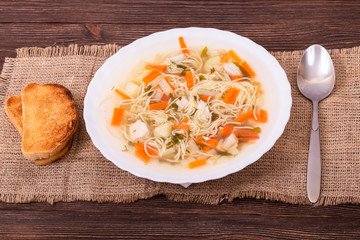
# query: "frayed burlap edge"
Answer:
x=110 y=49
x=5 y=78
x=209 y=199
x=107 y=51
x=59 y=51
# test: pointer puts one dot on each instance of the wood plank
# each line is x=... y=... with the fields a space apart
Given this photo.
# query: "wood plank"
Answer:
x=277 y=25
x=162 y=219
x=179 y=12
x=274 y=38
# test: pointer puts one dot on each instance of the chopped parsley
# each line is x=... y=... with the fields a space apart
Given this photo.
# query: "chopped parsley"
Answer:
x=175 y=106
x=224 y=153
x=125 y=149
x=214 y=116
x=204 y=52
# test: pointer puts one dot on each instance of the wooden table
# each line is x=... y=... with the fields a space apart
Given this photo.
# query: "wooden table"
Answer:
x=276 y=25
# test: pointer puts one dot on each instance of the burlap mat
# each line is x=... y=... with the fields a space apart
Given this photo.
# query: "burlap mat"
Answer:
x=84 y=174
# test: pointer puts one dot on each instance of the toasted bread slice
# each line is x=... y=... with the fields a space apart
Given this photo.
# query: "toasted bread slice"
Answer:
x=55 y=157
x=13 y=107
x=49 y=120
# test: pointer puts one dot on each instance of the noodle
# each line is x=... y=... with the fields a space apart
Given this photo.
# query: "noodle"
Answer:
x=189 y=122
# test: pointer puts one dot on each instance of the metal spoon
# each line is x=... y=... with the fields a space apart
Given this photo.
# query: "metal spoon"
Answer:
x=315 y=79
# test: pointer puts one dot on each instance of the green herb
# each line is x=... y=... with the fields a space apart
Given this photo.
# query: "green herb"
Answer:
x=204 y=52
x=184 y=68
x=125 y=149
x=241 y=69
x=171 y=96
x=202 y=77
x=188 y=132
x=256 y=129
x=150 y=92
x=214 y=116
x=147 y=88
x=193 y=113
x=201 y=147
x=170 y=118
x=181 y=66
x=179 y=136
x=170 y=144
x=130 y=143
x=196 y=98
x=223 y=153
x=212 y=70
x=175 y=106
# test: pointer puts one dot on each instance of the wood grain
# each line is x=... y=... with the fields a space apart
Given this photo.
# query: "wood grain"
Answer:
x=162 y=219
x=276 y=25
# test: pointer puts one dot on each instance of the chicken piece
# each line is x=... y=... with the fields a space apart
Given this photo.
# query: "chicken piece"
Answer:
x=178 y=58
x=163 y=130
x=138 y=130
x=232 y=69
x=229 y=142
x=181 y=103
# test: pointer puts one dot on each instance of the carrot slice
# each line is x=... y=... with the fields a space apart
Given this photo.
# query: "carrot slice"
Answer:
x=197 y=163
x=189 y=80
x=235 y=56
x=206 y=148
x=183 y=125
x=246 y=133
x=158 y=106
x=183 y=46
x=200 y=140
x=227 y=130
x=207 y=144
x=151 y=76
x=161 y=68
x=245 y=116
x=247 y=139
x=213 y=142
x=164 y=97
x=231 y=95
x=122 y=94
x=247 y=69
x=167 y=79
x=206 y=98
x=235 y=77
x=225 y=58
x=117 y=116
x=143 y=156
x=141 y=147
x=262 y=116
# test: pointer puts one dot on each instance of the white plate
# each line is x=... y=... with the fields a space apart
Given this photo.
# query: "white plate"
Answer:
x=118 y=68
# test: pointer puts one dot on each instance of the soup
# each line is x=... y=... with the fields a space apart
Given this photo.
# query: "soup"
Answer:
x=190 y=107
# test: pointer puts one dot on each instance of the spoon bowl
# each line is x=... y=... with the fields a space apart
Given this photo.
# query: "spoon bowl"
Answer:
x=316 y=80
x=316 y=74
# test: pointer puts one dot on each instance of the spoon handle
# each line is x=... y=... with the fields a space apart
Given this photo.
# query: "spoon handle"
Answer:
x=314 y=159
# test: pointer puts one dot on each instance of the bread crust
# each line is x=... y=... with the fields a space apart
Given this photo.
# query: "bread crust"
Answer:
x=49 y=120
x=47 y=161
x=13 y=108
